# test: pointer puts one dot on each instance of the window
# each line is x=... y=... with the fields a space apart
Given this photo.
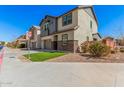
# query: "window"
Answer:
x=91 y=24
x=42 y=28
x=46 y=26
x=67 y=19
x=65 y=39
x=64 y=20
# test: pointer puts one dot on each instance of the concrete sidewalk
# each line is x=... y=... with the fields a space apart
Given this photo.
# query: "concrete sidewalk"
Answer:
x=15 y=73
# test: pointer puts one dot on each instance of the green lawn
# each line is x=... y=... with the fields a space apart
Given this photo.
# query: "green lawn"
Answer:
x=42 y=56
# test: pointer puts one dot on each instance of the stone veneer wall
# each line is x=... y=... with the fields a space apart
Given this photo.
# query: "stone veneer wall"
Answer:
x=71 y=46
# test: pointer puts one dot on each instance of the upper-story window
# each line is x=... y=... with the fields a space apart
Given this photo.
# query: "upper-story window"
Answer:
x=91 y=24
x=67 y=19
x=45 y=26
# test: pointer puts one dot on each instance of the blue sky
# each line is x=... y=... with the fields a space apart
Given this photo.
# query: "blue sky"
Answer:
x=15 y=20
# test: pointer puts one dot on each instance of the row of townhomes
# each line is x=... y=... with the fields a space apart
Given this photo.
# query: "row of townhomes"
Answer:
x=67 y=31
x=22 y=40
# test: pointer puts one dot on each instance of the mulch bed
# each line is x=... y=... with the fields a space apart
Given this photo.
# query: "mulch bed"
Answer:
x=85 y=58
x=113 y=58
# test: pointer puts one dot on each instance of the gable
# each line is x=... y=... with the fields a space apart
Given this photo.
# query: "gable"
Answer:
x=91 y=13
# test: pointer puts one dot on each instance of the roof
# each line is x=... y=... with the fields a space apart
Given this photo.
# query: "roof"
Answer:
x=33 y=26
x=78 y=7
x=46 y=18
x=83 y=7
x=36 y=27
x=109 y=38
x=22 y=36
x=95 y=34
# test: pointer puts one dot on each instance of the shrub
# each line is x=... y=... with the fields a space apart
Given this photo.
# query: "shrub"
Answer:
x=85 y=46
x=21 y=46
x=121 y=49
x=98 y=49
x=13 y=46
x=113 y=51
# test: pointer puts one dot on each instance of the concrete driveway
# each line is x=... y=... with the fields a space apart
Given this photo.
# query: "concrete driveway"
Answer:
x=15 y=73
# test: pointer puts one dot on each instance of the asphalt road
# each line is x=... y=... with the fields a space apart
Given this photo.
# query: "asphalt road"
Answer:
x=15 y=73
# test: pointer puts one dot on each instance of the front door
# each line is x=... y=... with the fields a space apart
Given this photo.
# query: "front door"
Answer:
x=33 y=45
x=45 y=44
x=55 y=42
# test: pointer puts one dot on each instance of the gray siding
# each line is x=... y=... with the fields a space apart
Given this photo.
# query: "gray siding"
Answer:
x=52 y=26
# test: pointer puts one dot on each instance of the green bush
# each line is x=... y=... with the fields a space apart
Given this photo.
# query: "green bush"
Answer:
x=98 y=49
x=21 y=46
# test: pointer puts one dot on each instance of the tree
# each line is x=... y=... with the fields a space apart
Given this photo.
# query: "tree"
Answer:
x=2 y=43
x=120 y=37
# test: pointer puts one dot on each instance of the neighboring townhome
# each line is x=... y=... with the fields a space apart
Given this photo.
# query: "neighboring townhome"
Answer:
x=35 y=42
x=22 y=41
x=68 y=31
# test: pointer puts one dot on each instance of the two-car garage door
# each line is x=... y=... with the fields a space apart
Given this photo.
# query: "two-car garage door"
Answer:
x=47 y=44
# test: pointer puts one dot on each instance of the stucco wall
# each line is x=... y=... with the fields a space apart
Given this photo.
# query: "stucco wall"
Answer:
x=70 y=35
x=36 y=38
x=84 y=29
x=38 y=44
x=74 y=22
x=90 y=13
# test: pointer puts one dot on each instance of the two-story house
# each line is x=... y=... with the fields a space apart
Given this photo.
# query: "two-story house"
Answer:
x=69 y=30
